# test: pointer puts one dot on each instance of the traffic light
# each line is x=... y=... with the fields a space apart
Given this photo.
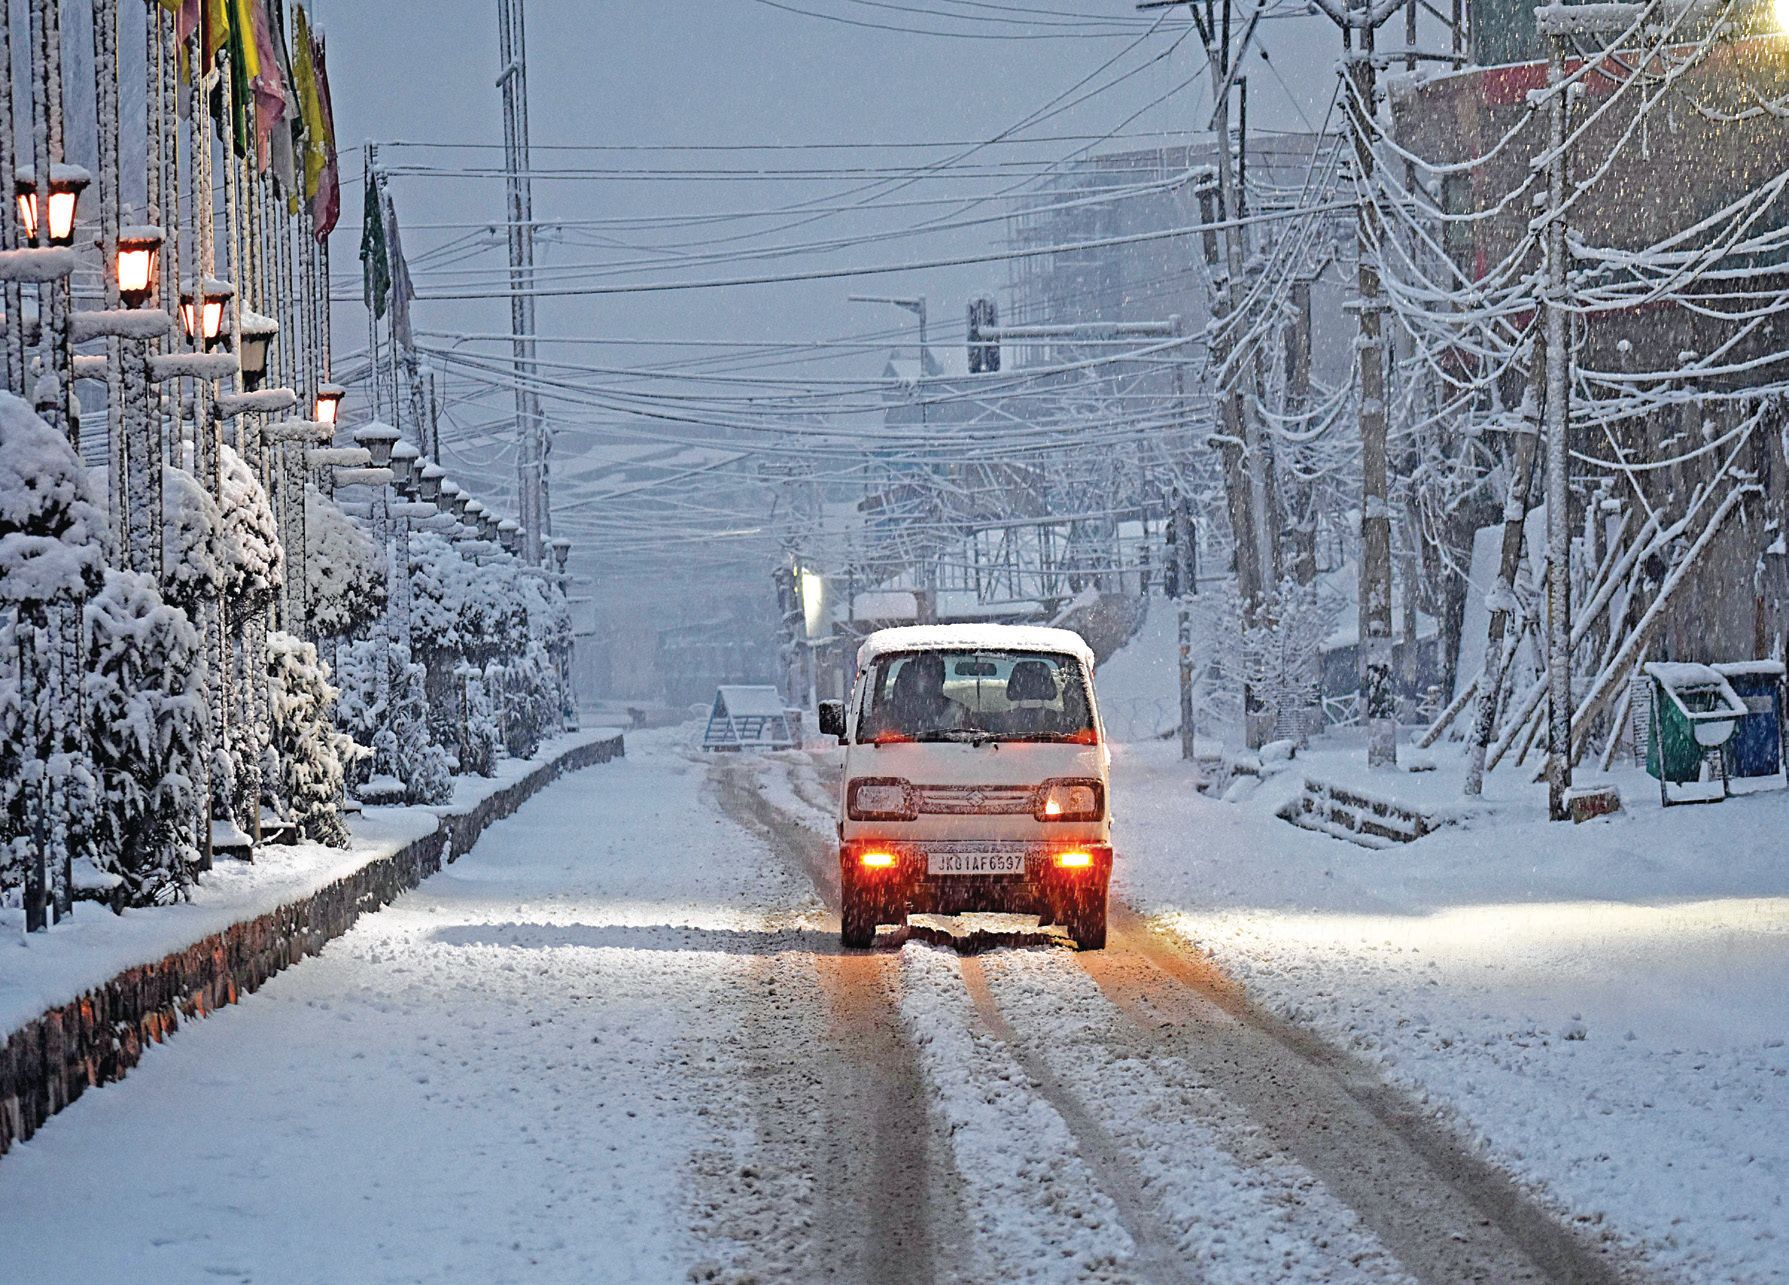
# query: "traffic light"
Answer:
x=984 y=354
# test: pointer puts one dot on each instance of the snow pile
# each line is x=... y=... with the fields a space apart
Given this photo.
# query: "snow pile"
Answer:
x=1139 y=685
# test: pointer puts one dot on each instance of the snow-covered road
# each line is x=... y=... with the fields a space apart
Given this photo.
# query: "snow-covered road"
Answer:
x=617 y=1041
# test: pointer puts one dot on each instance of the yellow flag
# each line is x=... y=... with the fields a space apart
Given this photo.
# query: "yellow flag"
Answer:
x=310 y=103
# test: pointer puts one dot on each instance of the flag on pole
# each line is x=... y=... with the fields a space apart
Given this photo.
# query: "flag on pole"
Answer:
x=375 y=262
x=267 y=81
x=186 y=17
x=216 y=34
x=328 y=206
x=310 y=105
x=402 y=291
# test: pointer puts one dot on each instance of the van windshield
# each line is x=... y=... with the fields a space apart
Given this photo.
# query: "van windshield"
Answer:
x=977 y=696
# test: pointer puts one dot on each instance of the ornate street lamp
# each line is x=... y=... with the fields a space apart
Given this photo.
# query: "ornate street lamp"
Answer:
x=378 y=439
x=202 y=311
x=404 y=456
x=509 y=531
x=67 y=182
x=138 y=265
x=561 y=548
x=431 y=482
x=329 y=403
x=254 y=337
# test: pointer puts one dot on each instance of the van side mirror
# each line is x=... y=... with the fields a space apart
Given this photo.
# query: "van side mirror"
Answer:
x=832 y=719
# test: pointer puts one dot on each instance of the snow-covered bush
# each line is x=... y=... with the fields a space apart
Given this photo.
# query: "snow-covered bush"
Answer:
x=254 y=559
x=147 y=727
x=395 y=731
x=480 y=738
x=345 y=580
x=310 y=756
x=192 y=543
x=52 y=535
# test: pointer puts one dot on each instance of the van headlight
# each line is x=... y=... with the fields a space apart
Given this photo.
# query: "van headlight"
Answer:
x=1070 y=798
x=879 y=798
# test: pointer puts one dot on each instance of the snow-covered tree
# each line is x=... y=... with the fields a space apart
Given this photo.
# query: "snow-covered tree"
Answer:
x=309 y=755
x=345 y=579
x=148 y=725
x=52 y=536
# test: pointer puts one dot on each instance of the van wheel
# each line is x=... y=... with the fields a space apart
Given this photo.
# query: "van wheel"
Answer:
x=1085 y=919
x=857 y=918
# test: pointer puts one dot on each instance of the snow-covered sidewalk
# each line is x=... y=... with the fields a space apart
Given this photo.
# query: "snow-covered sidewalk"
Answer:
x=1600 y=1007
x=39 y=971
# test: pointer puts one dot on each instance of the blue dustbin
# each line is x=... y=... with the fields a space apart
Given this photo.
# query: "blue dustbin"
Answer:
x=1756 y=747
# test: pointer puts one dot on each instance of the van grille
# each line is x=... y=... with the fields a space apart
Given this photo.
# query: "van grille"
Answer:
x=973 y=800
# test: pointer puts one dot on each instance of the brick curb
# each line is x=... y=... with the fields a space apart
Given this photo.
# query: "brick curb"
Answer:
x=95 y=1039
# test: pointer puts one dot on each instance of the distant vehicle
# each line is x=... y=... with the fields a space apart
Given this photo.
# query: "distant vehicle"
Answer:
x=976 y=779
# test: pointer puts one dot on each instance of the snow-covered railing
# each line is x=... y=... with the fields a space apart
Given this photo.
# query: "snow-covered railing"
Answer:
x=1345 y=813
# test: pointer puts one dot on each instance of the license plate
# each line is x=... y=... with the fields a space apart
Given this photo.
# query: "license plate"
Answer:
x=975 y=863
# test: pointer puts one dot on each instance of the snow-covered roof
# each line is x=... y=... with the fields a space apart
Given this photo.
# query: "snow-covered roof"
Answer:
x=752 y=702
x=974 y=637
x=1749 y=668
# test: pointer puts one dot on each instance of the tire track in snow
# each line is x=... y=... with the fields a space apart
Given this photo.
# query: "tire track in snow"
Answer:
x=836 y=1086
x=1232 y=1208
x=1448 y=1215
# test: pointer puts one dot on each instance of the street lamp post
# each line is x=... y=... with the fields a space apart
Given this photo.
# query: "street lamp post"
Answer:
x=137 y=269
x=378 y=440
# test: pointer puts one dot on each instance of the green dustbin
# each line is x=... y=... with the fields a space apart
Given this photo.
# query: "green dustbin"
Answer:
x=1694 y=713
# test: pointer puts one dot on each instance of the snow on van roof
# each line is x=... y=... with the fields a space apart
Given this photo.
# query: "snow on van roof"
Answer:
x=974 y=637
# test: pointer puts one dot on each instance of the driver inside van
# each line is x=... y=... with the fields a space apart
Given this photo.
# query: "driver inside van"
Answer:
x=918 y=703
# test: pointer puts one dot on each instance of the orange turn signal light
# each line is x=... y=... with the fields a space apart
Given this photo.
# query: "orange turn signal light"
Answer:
x=1074 y=860
x=876 y=860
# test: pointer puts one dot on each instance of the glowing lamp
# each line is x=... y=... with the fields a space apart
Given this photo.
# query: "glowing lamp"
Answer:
x=328 y=404
x=202 y=311
x=876 y=859
x=138 y=265
x=67 y=182
x=1074 y=860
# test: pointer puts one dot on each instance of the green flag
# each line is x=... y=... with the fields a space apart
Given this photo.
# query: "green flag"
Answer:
x=375 y=263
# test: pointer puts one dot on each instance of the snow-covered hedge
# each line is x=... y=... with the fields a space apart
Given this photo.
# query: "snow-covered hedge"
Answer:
x=309 y=756
x=147 y=727
x=345 y=582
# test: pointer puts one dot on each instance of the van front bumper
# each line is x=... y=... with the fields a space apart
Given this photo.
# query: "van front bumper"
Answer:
x=1042 y=884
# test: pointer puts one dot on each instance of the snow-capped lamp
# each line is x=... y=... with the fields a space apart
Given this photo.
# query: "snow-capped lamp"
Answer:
x=377 y=439
x=453 y=499
x=138 y=264
x=202 y=311
x=509 y=531
x=328 y=404
x=474 y=512
x=430 y=479
x=404 y=456
x=255 y=336
x=67 y=182
x=561 y=548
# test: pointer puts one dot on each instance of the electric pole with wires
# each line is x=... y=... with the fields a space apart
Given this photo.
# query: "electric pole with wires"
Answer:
x=531 y=455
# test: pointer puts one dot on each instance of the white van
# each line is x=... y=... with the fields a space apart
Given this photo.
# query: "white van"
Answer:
x=976 y=775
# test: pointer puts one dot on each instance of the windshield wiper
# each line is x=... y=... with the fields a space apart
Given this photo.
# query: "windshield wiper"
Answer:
x=955 y=734
x=1041 y=736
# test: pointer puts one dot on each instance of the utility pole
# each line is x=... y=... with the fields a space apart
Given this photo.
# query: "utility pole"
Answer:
x=1375 y=638
x=1556 y=421
x=531 y=465
x=1243 y=447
